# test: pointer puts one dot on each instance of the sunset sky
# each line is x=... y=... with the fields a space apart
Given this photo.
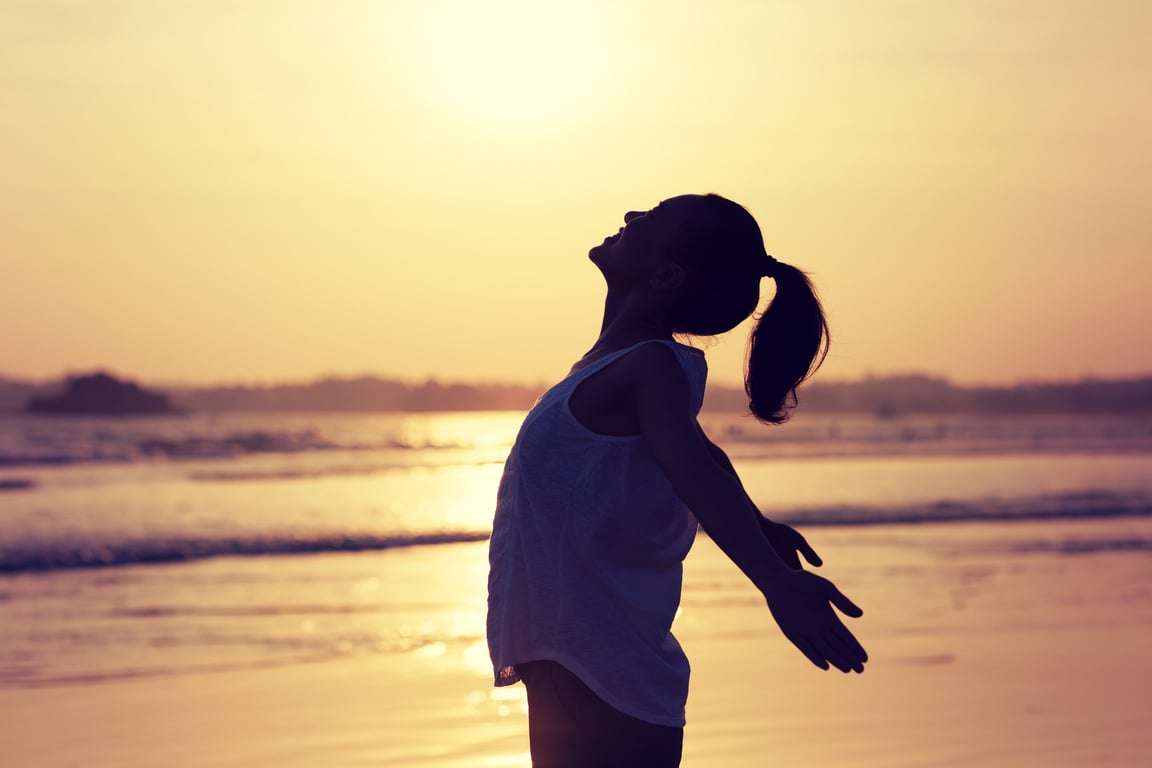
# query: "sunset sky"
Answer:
x=263 y=190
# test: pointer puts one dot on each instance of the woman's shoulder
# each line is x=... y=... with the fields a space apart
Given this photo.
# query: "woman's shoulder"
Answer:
x=654 y=365
x=605 y=400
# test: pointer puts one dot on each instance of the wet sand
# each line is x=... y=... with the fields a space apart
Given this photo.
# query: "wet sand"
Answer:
x=991 y=645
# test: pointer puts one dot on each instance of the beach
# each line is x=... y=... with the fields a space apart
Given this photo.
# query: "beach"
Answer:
x=993 y=644
x=286 y=285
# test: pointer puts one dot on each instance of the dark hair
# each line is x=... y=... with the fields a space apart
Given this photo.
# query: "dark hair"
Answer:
x=723 y=254
x=788 y=344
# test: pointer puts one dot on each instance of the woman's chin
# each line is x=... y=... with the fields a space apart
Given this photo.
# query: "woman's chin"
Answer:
x=599 y=252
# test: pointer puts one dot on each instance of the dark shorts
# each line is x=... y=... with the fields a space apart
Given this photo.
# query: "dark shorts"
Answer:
x=569 y=726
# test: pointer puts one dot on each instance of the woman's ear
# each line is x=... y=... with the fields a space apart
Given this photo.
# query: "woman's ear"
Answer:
x=668 y=277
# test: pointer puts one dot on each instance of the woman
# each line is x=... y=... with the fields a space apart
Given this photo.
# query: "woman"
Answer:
x=611 y=473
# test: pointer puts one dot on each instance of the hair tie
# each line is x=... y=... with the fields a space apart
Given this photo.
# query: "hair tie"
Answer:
x=769 y=268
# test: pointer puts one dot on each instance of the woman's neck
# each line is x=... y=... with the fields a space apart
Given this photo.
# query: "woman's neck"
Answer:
x=628 y=319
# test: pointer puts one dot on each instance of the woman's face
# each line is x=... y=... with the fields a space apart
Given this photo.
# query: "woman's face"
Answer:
x=640 y=247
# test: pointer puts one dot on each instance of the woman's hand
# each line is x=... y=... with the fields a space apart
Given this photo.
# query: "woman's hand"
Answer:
x=789 y=544
x=802 y=606
x=801 y=603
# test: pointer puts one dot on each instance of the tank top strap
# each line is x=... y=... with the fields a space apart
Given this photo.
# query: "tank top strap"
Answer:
x=575 y=377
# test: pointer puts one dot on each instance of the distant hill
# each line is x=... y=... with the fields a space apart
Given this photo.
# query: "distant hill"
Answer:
x=884 y=396
x=360 y=394
x=14 y=394
x=893 y=395
x=101 y=394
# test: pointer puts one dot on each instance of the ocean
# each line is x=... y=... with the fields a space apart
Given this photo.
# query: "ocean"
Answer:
x=151 y=547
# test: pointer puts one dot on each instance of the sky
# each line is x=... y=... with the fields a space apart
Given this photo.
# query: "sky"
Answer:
x=205 y=191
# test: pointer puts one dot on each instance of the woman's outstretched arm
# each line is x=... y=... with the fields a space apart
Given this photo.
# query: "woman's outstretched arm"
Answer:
x=801 y=602
x=786 y=540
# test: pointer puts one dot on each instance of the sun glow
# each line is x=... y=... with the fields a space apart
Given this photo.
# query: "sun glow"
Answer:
x=514 y=63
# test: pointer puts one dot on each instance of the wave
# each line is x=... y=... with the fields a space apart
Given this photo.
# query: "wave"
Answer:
x=1063 y=506
x=1084 y=546
x=122 y=450
x=89 y=449
x=1089 y=505
x=16 y=484
x=52 y=557
x=337 y=470
x=952 y=435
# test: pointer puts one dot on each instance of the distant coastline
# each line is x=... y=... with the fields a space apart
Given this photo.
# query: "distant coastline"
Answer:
x=881 y=396
x=100 y=394
x=910 y=394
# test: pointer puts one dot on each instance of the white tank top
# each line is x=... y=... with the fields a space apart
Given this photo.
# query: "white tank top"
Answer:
x=586 y=555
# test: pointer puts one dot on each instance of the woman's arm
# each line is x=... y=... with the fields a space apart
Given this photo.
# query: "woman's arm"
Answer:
x=788 y=543
x=801 y=602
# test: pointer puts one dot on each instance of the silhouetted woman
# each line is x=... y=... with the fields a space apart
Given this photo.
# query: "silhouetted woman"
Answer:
x=610 y=474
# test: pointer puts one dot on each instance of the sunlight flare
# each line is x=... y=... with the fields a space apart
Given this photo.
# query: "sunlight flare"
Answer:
x=513 y=63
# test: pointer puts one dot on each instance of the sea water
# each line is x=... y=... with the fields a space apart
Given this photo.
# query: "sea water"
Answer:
x=151 y=547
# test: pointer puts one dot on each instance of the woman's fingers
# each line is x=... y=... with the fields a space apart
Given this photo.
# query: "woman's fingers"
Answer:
x=808 y=649
x=851 y=643
x=809 y=553
x=851 y=652
x=830 y=649
x=846 y=606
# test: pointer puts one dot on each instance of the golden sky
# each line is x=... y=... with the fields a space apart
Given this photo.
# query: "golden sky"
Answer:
x=260 y=190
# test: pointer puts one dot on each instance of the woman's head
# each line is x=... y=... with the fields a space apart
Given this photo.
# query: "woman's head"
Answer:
x=721 y=250
x=705 y=255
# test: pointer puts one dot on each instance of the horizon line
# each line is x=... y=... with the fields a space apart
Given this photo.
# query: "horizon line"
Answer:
x=159 y=382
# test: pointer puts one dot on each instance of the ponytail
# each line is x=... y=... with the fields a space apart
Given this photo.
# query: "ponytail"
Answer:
x=788 y=344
